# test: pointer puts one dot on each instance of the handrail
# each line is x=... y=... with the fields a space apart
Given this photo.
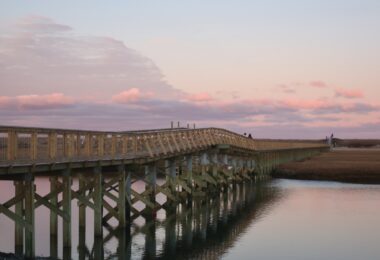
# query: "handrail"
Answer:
x=32 y=145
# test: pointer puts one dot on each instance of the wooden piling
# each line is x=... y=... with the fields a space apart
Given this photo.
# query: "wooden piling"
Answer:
x=54 y=218
x=66 y=204
x=81 y=205
x=19 y=207
x=98 y=202
x=122 y=196
x=29 y=190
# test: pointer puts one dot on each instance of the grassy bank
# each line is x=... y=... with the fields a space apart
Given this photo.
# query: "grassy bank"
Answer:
x=357 y=165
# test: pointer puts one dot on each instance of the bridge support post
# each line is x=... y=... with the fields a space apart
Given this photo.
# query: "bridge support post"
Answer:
x=66 y=200
x=19 y=229
x=29 y=190
x=214 y=165
x=150 y=241
x=189 y=228
x=170 y=166
x=170 y=236
x=122 y=197
x=54 y=217
x=204 y=164
x=98 y=202
x=151 y=175
x=189 y=174
x=128 y=204
x=82 y=206
x=171 y=180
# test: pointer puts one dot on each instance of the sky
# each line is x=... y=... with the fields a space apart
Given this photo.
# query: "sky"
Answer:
x=275 y=69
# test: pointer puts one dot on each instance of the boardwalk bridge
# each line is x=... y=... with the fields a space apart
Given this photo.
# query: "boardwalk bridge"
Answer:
x=180 y=164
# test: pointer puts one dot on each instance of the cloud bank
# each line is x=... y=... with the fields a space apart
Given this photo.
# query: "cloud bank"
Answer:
x=53 y=77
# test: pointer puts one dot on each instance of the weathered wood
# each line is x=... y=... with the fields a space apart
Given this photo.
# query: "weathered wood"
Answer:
x=11 y=145
x=122 y=197
x=66 y=207
x=98 y=201
x=82 y=206
x=29 y=190
x=52 y=145
x=128 y=205
x=54 y=217
x=19 y=207
x=33 y=146
x=152 y=181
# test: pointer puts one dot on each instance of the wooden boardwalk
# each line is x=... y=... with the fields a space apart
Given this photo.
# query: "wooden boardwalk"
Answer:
x=194 y=162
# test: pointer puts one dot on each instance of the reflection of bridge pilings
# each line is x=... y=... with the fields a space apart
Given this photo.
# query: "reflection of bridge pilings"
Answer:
x=218 y=222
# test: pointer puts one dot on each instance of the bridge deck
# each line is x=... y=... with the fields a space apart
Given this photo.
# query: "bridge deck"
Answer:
x=41 y=149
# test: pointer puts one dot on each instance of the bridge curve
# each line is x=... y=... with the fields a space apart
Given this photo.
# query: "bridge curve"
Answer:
x=38 y=147
x=195 y=164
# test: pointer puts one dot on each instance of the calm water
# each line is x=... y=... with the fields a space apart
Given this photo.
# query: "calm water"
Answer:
x=280 y=219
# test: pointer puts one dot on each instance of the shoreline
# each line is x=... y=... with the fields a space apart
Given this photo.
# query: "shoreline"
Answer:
x=348 y=165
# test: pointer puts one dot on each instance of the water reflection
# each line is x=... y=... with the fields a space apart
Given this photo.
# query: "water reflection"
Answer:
x=281 y=219
x=199 y=229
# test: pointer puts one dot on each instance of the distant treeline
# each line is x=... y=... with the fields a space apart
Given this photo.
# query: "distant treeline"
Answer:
x=357 y=142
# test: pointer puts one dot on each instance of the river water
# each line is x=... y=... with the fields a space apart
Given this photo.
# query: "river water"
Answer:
x=278 y=219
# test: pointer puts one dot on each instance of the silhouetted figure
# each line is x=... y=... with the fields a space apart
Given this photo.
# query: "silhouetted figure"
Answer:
x=245 y=134
x=331 y=140
x=250 y=136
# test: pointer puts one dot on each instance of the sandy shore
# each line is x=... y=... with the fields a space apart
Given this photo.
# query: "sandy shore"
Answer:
x=357 y=165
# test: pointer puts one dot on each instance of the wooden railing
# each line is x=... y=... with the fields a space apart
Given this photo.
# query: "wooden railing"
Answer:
x=21 y=144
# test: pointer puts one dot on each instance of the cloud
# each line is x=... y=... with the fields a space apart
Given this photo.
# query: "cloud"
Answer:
x=92 y=82
x=318 y=84
x=310 y=104
x=131 y=96
x=346 y=93
x=269 y=117
x=26 y=102
x=199 y=97
x=41 y=24
x=39 y=54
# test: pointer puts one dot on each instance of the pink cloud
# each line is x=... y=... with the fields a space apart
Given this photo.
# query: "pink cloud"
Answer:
x=318 y=84
x=199 y=97
x=347 y=93
x=305 y=104
x=54 y=100
x=5 y=101
x=132 y=95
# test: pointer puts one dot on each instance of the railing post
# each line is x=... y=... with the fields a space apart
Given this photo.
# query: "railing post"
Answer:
x=33 y=146
x=100 y=145
x=113 y=145
x=52 y=145
x=87 y=145
x=124 y=144
x=66 y=145
x=12 y=145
